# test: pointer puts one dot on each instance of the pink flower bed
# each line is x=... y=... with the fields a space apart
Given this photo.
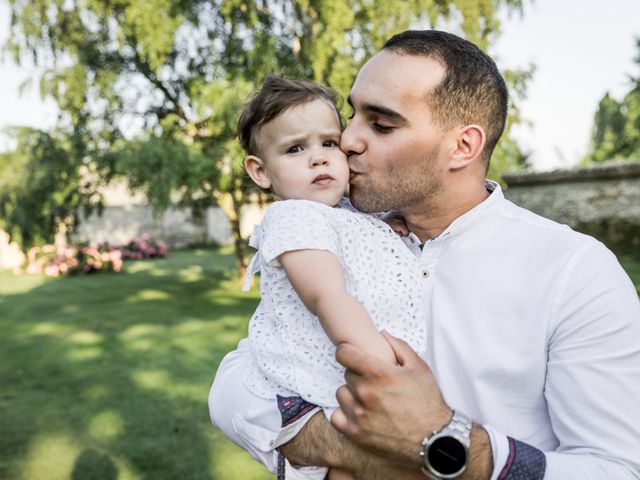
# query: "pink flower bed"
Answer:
x=56 y=261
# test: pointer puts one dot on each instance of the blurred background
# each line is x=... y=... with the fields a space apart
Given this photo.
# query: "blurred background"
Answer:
x=124 y=211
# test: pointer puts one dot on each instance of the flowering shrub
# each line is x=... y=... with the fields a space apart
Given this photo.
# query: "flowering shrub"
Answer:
x=55 y=261
x=143 y=247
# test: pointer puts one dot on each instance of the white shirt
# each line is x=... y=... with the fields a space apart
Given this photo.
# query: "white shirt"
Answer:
x=291 y=353
x=533 y=331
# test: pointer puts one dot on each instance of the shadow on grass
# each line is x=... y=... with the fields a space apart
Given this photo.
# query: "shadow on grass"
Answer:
x=107 y=376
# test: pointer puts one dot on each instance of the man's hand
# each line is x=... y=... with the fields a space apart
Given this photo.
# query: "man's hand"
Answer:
x=389 y=409
x=396 y=221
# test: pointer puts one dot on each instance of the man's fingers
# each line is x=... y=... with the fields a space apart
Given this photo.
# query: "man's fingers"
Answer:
x=404 y=353
x=345 y=398
x=339 y=420
x=357 y=360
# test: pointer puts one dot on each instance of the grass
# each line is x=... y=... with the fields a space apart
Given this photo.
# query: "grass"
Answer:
x=632 y=267
x=106 y=377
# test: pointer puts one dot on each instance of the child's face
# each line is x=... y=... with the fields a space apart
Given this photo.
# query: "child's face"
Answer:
x=301 y=154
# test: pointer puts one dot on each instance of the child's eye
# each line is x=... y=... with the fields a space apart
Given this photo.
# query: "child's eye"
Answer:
x=330 y=143
x=294 y=149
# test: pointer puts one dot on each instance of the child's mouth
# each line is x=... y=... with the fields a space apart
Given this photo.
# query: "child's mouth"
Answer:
x=322 y=180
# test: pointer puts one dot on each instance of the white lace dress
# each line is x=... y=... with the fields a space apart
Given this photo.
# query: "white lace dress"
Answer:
x=291 y=352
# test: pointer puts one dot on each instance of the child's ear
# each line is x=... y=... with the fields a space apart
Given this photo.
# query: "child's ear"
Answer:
x=255 y=168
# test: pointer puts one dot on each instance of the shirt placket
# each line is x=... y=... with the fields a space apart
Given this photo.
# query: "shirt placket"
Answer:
x=428 y=274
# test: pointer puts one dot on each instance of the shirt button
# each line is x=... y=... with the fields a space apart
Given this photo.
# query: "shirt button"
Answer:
x=425 y=273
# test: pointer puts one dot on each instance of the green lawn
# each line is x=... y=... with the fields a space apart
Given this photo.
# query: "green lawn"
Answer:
x=633 y=269
x=106 y=376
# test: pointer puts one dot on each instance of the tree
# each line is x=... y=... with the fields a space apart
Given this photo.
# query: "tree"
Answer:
x=616 y=125
x=181 y=68
x=44 y=187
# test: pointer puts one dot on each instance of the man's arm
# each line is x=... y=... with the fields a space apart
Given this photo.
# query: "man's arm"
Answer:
x=318 y=443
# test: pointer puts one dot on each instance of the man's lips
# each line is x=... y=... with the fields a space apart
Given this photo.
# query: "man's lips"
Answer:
x=322 y=180
x=353 y=175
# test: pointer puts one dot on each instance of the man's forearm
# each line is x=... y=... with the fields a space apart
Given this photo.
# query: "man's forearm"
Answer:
x=318 y=443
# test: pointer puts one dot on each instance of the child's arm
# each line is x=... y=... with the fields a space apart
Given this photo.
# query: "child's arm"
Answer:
x=316 y=276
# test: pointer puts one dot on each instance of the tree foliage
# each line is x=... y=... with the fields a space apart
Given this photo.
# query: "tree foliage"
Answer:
x=173 y=74
x=43 y=187
x=616 y=124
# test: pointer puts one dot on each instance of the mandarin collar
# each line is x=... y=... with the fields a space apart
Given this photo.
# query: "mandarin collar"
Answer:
x=476 y=214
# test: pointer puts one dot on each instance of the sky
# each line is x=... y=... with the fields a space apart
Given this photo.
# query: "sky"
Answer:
x=581 y=50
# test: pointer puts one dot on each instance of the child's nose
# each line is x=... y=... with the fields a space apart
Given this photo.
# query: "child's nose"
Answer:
x=319 y=159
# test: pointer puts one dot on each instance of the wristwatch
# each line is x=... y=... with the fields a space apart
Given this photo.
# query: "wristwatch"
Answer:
x=445 y=454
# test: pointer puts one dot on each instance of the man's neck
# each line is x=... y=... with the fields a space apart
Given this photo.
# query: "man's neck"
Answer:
x=430 y=219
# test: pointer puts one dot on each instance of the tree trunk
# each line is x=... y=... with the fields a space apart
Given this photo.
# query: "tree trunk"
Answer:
x=231 y=203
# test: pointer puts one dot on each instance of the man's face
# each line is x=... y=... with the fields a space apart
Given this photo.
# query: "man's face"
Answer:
x=395 y=148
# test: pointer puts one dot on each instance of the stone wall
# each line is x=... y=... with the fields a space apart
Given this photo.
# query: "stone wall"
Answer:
x=603 y=201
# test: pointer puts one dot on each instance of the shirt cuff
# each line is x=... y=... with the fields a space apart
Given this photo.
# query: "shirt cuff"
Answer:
x=499 y=450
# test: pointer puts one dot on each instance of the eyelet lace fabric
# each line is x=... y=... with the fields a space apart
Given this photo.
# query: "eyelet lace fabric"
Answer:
x=291 y=353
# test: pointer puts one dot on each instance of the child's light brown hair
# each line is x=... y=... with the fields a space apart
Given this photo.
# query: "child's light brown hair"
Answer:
x=277 y=95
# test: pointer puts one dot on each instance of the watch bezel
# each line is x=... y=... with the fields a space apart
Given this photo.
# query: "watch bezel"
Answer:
x=458 y=429
x=428 y=469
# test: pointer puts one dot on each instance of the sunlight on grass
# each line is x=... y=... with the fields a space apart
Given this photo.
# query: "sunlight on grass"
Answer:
x=194 y=273
x=138 y=267
x=106 y=425
x=191 y=326
x=51 y=457
x=147 y=295
x=81 y=354
x=50 y=328
x=85 y=337
x=142 y=337
x=152 y=379
x=96 y=392
x=142 y=330
x=11 y=284
x=160 y=381
x=225 y=459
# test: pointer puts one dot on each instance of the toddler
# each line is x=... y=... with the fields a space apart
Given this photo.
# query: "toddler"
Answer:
x=329 y=273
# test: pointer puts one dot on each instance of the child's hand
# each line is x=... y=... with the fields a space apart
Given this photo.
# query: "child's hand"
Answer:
x=396 y=221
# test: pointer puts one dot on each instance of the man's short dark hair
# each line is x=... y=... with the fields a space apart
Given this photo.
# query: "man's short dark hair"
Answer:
x=472 y=91
x=277 y=95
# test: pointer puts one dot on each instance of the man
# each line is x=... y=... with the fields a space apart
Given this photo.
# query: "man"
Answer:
x=533 y=362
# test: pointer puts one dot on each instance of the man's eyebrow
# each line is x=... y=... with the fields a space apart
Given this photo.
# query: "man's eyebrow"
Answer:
x=379 y=109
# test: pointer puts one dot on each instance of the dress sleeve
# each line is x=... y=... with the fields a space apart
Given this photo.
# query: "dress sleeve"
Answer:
x=292 y=225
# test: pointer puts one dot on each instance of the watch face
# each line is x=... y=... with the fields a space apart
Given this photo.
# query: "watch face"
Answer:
x=447 y=455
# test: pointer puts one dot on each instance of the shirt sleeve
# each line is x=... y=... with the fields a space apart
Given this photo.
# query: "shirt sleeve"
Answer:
x=292 y=225
x=593 y=379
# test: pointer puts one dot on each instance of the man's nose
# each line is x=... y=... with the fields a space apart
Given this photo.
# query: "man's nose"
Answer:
x=349 y=141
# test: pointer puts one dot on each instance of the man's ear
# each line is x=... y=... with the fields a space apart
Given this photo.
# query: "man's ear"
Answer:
x=469 y=146
x=255 y=168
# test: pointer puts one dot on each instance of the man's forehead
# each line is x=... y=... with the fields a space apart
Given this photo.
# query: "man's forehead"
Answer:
x=390 y=76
